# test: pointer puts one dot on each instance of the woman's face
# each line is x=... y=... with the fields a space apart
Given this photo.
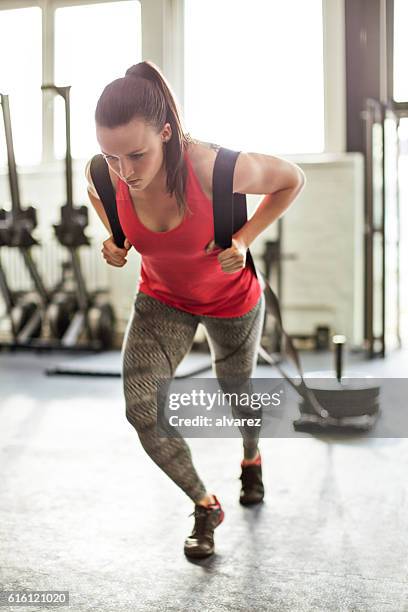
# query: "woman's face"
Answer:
x=134 y=152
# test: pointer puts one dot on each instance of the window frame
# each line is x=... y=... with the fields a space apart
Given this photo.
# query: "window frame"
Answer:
x=400 y=107
x=48 y=8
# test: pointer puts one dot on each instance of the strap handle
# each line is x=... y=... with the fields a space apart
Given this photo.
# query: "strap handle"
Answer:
x=230 y=214
x=103 y=184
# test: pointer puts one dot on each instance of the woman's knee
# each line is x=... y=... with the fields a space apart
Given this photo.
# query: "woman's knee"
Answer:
x=145 y=424
x=134 y=417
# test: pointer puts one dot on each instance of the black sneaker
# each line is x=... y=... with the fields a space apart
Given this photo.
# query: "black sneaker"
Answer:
x=252 y=491
x=201 y=541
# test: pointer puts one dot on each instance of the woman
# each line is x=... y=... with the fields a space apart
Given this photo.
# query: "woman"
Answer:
x=163 y=183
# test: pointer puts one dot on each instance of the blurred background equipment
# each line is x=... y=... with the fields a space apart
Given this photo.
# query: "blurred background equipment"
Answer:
x=352 y=400
x=94 y=316
x=26 y=309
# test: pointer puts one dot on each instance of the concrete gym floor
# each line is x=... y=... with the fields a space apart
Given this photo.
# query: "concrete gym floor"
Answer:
x=84 y=509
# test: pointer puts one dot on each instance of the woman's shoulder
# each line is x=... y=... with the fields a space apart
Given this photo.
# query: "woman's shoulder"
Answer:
x=202 y=156
x=91 y=186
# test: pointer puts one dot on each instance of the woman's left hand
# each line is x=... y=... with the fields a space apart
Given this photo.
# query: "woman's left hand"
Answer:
x=232 y=259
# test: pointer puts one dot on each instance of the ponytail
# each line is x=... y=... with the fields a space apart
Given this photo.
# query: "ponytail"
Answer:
x=144 y=92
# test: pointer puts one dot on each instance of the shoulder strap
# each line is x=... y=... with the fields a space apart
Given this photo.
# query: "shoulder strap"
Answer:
x=103 y=185
x=223 y=197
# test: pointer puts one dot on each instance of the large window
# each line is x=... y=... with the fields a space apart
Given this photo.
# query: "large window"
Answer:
x=403 y=229
x=85 y=46
x=107 y=40
x=20 y=79
x=400 y=51
x=400 y=95
x=254 y=74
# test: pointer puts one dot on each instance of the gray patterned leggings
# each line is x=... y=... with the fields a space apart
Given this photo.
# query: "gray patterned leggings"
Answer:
x=145 y=363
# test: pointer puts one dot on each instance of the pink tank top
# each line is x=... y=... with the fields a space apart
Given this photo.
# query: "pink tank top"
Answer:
x=176 y=269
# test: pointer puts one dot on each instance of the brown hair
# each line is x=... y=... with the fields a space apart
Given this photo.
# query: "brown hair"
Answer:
x=144 y=92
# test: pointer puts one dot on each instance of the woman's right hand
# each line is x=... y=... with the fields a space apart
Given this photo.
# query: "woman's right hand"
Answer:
x=113 y=254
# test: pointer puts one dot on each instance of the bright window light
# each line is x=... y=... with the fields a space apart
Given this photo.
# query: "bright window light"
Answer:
x=254 y=74
x=403 y=227
x=94 y=44
x=20 y=79
x=400 y=51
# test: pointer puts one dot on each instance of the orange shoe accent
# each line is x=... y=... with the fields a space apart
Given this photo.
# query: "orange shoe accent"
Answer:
x=258 y=461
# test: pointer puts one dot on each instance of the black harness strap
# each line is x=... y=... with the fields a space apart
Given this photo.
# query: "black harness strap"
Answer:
x=229 y=209
x=103 y=185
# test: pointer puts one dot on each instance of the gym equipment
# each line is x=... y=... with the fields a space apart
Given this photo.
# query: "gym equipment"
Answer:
x=94 y=317
x=341 y=405
x=382 y=284
x=272 y=257
x=16 y=228
x=29 y=311
x=319 y=340
x=25 y=309
x=352 y=402
x=321 y=337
